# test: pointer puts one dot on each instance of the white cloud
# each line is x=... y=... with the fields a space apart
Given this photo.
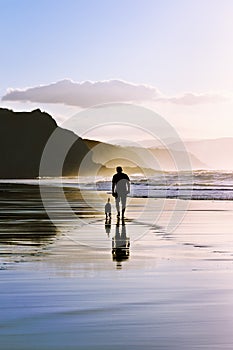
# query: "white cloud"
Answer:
x=83 y=94
x=193 y=99
x=86 y=94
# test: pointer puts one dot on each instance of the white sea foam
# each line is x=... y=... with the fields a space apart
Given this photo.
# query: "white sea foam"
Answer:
x=212 y=185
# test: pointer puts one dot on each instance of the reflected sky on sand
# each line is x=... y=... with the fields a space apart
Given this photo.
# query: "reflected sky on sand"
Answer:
x=25 y=229
x=92 y=284
x=22 y=212
x=82 y=239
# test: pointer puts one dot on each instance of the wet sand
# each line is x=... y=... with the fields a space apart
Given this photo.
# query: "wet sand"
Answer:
x=64 y=284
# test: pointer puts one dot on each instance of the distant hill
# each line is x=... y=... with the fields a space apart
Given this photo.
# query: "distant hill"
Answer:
x=23 y=136
x=215 y=153
x=140 y=159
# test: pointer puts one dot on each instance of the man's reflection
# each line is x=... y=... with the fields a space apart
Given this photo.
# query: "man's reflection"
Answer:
x=120 y=244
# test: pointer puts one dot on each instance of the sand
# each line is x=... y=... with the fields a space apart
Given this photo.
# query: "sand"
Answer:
x=62 y=287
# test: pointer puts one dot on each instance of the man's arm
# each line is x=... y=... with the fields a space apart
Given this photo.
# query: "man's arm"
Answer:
x=128 y=185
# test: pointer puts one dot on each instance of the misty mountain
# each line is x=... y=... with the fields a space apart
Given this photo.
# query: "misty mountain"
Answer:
x=215 y=153
x=142 y=159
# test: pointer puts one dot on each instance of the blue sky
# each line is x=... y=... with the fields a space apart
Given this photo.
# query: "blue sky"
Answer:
x=177 y=46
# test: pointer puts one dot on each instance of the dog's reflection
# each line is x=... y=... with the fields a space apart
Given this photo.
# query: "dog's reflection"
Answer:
x=108 y=225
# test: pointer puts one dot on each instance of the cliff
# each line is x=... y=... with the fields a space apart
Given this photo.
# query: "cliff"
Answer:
x=23 y=136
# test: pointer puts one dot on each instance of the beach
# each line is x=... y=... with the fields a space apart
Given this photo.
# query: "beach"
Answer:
x=64 y=285
x=104 y=103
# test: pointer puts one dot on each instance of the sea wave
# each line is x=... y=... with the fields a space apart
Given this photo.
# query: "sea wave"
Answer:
x=202 y=185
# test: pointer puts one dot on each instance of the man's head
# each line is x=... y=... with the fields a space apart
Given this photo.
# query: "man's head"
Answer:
x=119 y=169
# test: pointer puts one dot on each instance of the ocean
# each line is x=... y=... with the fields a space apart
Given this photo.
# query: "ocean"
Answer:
x=199 y=184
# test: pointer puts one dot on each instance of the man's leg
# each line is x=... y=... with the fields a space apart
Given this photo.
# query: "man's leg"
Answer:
x=118 y=206
x=123 y=203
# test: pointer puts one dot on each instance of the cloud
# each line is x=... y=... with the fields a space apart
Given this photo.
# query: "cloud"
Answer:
x=83 y=94
x=193 y=99
x=86 y=94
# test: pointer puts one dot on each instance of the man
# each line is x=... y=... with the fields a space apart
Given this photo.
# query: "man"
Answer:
x=120 y=189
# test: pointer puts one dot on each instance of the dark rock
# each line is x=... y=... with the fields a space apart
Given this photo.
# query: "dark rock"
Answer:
x=23 y=138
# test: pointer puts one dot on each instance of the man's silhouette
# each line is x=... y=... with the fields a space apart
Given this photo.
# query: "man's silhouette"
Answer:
x=120 y=189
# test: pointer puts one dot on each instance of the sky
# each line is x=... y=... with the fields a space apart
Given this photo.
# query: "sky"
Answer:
x=172 y=56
